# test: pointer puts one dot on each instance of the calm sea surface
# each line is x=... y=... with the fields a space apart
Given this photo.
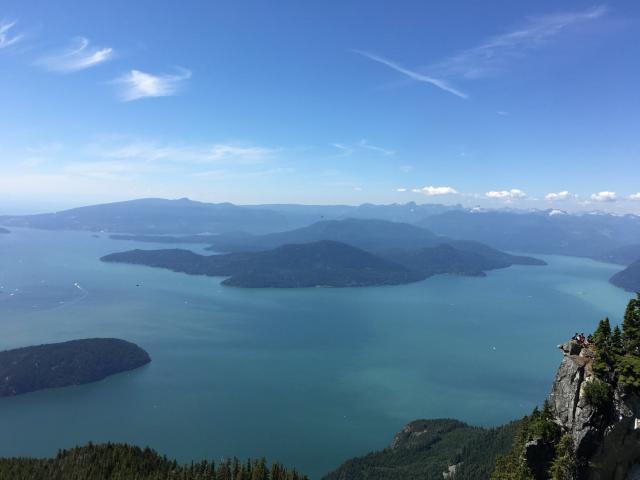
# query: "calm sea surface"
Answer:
x=307 y=376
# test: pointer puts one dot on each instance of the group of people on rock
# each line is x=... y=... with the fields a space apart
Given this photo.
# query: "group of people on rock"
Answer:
x=581 y=339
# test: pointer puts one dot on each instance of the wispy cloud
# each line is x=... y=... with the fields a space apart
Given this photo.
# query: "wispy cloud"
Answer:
x=414 y=75
x=432 y=191
x=366 y=145
x=492 y=55
x=557 y=196
x=401 y=189
x=6 y=39
x=604 y=196
x=506 y=194
x=79 y=56
x=136 y=84
x=635 y=196
x=351 y=148
x=154 y=152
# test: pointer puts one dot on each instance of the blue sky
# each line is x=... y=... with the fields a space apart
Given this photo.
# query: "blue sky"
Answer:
x=521 y=104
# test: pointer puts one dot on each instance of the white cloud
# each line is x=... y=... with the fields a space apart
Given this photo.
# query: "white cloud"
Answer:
x=441 y=84
x=557 y=196
x=137 y=84
x=506 y=194
x=401 y=189
x=604 y=196
x=6 y=40
x=79 y=56
x=492 y=55
x=635 y=196
x=554 y=213
x=432 y=191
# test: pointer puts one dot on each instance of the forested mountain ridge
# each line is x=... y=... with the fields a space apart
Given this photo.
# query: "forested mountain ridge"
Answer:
x=125 y=462
x=323 y=263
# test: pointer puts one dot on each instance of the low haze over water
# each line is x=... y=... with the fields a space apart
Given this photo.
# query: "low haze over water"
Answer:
x=310 y=377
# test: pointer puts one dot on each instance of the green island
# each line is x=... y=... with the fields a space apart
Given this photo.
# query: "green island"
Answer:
x=327 y=263
x=75 y=362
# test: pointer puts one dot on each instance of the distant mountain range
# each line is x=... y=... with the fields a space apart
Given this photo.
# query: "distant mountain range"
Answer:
x=156 y=216
x=587 y=235
x=379 y=229
x=550 y=232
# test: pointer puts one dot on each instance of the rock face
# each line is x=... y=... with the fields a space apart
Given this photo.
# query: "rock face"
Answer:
x=606 y=441
x=410 y=432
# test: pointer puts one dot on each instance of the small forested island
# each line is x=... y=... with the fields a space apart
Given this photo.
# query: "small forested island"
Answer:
x=120 y=461
x=4 y=230
x=74 y=362
x=629 y=278
x=324 y=263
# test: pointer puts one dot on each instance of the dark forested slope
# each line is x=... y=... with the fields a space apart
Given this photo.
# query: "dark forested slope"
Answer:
x=126 y=462
x=68 y=363
x=324 y=263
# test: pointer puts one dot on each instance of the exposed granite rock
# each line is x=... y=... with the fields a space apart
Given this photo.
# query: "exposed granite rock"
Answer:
x=410 y=432
x=606 y=443
x=451 y=471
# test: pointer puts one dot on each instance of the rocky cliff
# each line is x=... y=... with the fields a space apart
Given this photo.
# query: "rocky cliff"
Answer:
x=606 y=438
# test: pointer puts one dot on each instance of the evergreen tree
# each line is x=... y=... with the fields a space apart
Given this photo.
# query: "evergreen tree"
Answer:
x=631 y=327
x=564 y=463
x=602 y=335
x=602 y=340
x=617 y=344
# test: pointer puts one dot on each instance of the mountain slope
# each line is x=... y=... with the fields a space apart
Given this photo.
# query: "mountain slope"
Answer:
x=426 y=449
x=447 y=258
x=539 y=232
x=624 y=255
x=155 y=215
x=324 y=263
x=372 y=235
x=629 y=278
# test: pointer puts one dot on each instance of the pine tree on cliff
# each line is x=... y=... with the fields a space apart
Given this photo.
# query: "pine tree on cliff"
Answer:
x=617 y=343
x=631 y=327
x=603 y=341
x=602 y=335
